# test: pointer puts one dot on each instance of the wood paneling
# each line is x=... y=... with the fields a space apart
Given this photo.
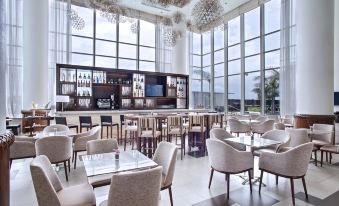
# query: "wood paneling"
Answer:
x=5 y=141
x=307 y=120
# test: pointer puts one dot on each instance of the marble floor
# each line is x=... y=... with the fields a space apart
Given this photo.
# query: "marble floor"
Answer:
x=190 y=186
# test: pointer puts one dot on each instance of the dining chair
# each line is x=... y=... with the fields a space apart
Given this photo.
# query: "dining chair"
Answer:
x=279 y=126
x=56 y=128
x=50 y=191
x=23 y=147
x=175 y=128
x=292 y=164
x=107 y=121
x=100 y=146
x=58 y=149
x=86 y=122
x=148 y=135
x=238 y=127
x=262 y=127
x=140 y=188
x=227 y=160
x=62 y=120
x=223 y=135
x=80 y=141
x=166 y=156
x=277 y=135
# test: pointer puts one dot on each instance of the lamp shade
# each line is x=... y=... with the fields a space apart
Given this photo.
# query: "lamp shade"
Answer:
x=62 y=98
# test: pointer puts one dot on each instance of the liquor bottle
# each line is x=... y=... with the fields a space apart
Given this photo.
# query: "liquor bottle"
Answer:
x=142 y=79
x=100 y=79
x=94 y=74
x=88 y=77
x=142 y=94
x=80 y=77
x=78 y=93
x=78 y=83
x=83 y=93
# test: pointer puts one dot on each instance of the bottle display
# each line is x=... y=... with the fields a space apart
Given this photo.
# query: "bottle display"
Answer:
x=84 y=83
x=138 y=85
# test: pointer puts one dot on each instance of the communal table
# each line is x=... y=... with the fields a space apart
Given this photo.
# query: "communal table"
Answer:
x=69 y=133
x=250 y=141
x=102 y=166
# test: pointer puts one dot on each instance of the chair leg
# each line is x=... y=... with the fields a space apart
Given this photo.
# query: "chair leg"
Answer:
x=65 y=166
x=118 y=133
x=316 y=159
x=321 y=158
x=292 y=190
x=211 y=176
x=69 y=165
x=276 y=179
x=77 y=129
x=75 y=159
x=10 y=163
x=102 y=129
x=330 y=158
x=170 y=194
x=326 y=156
x=250 y=180
x=73 y=156
x=304 y=184
x=125 y=140
x=261 y=175
x=228 y=186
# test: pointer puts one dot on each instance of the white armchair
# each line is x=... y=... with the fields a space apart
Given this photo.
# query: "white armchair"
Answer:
x=23 y=147
x=278 y=135
x=323 y=134
x=237 y=126
x=56 y=128
x=263 y=127
x=222 y=135
x=227 y=160
x=80 y=141
x=292 y=164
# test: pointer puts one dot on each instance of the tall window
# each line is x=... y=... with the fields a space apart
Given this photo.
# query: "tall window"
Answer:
x=196 y=76
x=104 y=44
x=252 y=42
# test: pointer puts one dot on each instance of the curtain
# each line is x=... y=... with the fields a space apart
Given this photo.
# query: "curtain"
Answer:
x=58 y=47
x=13 y=66
x=287 y=58
x=163 y=53
x=2 y=66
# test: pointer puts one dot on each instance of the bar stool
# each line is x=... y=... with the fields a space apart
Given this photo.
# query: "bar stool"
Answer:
x=148 y=135
x=197 y=132
x=86 y=122
x=107 y=121
x=130 y=126
x=122 y=123
x=175 y=128
x=63 y=121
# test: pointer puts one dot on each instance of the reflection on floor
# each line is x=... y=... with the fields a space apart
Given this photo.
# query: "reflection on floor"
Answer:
x=190 y=186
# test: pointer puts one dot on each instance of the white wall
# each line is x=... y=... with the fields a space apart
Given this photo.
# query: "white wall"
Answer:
x=179 y=52
x=336 y=49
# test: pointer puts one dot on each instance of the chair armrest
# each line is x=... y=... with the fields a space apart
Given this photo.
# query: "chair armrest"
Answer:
x=21 y=149
x=25 y=139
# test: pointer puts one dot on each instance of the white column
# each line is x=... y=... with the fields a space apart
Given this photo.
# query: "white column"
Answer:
x=179 y=52
x=315 y=58
x=35 y=53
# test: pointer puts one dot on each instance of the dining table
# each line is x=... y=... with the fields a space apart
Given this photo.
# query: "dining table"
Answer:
x=69 y=133
x=103 y=166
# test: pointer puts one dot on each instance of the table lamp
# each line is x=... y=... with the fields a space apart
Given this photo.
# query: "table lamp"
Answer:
x=62 y=99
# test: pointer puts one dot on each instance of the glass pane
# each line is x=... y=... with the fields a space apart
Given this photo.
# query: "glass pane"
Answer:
x=219 y=70
x=272 y=91
x=206 y=42
x=147 y=33
x=105 y=29
x=206 y=73
x=105 y=62
x=196 y=60
x=272 y=59
x=234 y=31
x=127 y=51
x=219 y=56
x=234 y=67
x=105 y=48
x=196 y=92
x=196 y=73
x=206 y=85
x=147 y=66
x=234 y=93
x=83 y=60
x=272 y=15
x=127 y=64
x=125 y=33
x=206 y=60
x=252 y=92
x=234 y=52
x=87 y=15
x=206 y=93
x=218 y=39
x=252 y=47
x=196 y=43
x=196 y=85
x=252 y=63
x=252 y=23
x=272 y=41
x=82 y=45
x=219 y=91
x=147 y=53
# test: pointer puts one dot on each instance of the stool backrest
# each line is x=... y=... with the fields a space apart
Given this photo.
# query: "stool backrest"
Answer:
x=106 y=119
x=146 y=124
x=196 y=120
x=122 y=118
x=85 y=119
x=60 y=120
x=215 y=119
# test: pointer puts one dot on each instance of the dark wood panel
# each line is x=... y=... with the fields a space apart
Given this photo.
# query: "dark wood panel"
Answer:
x=307 y=120
x=5 y=141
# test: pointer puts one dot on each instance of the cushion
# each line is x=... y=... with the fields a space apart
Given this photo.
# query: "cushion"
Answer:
x=320 y=142
x=330 y=148
x=132 y=128
x=259 y=151
x=176 y=131
x=197 y=129
x=77 y=195
x=148 y=133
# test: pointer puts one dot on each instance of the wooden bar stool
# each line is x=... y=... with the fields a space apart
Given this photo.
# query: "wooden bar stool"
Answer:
x=148 y=135
x=130 y=126
x=86 y=122
x=176 y=129
x=107 y=121
x=122 y=123
x=63 y=121
x=197 y=133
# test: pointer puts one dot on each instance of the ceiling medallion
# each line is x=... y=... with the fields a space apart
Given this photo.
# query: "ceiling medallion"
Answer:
x=78 y=23
x=206 y=14
x=178 y=17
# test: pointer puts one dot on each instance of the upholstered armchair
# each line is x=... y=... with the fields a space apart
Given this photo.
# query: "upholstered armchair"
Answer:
x=292 y=164
x=125 y=189
x=23 y=147
x=323 y=134
x=50 y=191
x=261 y=128
x=222 y=135
x=80 y=141
x=166 y=155
x=237 y=126
x=279 y=126
x=58 y=149
x=278 y=135
x=227 y=160
x=56 y=128
x=100 y=146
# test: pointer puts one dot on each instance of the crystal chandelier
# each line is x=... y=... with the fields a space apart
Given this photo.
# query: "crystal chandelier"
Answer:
x=167 y=3
x=78 y=23
x=171 y=36
x=206 y=14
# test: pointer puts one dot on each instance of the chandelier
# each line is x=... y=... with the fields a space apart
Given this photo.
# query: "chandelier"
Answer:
x=167 y=3
x=78 y=23
x=171 y=36
x=206 y=14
